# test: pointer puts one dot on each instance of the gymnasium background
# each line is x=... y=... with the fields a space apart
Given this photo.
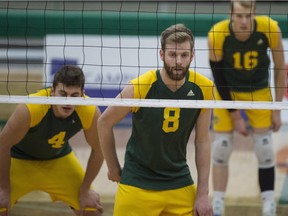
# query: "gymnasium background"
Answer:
x=35 y=41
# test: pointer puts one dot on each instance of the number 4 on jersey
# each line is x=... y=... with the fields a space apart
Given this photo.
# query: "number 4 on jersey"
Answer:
x=57 y=141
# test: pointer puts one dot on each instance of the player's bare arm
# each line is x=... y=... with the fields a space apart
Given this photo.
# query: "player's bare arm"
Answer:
x=11 y=134
x=279 y=80
x=238 y=121
x=212 y=54
x=202 y=157
x=106 y=122
x=88 y=197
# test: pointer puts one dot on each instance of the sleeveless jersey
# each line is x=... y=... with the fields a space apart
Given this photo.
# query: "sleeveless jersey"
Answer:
x=156 y=151
x=48 y=136
x=246 y=64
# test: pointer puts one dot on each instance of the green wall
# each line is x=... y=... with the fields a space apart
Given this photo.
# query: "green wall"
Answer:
x=38 y=23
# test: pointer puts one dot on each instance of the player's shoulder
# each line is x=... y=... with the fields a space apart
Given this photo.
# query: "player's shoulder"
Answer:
x=265 y=23
x=86 y=110
x=203 y=82
x=86 y=114
x=148 y=77
x=45 y=92
x=199 y=78
x=221 y=26
x=38 y=111
x=219 y=32
x=262 y=19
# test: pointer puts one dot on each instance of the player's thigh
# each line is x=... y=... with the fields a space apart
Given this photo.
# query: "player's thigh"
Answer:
x=24 y=178
x=222 y=121
x=258 y=95
x=258 y=118
x=133 y=201
x=181 y=201
x=64 y=179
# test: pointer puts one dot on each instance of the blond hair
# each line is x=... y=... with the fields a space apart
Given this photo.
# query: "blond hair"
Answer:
x=244 y=3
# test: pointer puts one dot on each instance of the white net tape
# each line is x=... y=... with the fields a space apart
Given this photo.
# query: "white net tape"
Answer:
x=124 y=102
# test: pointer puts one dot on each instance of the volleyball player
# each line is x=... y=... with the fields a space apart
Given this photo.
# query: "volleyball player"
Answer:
x=155 y=179
x=35 y=153
x=239 y=59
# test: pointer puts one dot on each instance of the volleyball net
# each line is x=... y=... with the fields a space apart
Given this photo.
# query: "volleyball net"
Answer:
x=113 y=42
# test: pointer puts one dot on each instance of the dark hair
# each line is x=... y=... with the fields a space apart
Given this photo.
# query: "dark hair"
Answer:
x=178 y=33
x=69 y=75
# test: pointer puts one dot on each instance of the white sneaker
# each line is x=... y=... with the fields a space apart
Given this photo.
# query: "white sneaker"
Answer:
x=269 y=208
x=218 y=207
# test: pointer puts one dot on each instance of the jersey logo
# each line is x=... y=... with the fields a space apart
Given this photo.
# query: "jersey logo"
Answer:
x=260 y=41
x=190 y=93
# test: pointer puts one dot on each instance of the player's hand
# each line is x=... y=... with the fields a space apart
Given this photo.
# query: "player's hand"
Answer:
x=241 y=127
x=90 y=201
x=4 y=202
x=202 y=206
x=3 y=212
x=276 y=120
x=239 y=123
x=114 y=174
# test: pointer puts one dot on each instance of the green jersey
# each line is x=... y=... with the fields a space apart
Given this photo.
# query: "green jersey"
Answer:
x=156 y=151
x=48 y=136
x=246 y=64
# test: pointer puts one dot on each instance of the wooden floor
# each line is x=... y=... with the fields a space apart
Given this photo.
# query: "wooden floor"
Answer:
x=27 y=208
x=242 y=193
x=59 y=209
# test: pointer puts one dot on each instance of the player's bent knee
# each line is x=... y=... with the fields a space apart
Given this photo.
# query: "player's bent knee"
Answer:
x=222 y=148
x=263 y=147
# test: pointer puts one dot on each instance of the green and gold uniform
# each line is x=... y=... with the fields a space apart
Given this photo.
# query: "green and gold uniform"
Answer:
x=246 y=64
x=241 y=69
x=245 y=68
x=41 y=158
x=48 y=135
x=155 y=158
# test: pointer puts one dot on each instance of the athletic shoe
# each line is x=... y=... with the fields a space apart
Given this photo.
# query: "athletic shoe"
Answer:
x=269 y=208
x=218 y=207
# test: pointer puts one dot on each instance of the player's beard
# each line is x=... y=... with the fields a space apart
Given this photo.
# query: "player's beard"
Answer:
x=177 y=76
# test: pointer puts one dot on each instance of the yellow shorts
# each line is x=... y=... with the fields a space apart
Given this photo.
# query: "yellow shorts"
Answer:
x=133 y=201
x=222 y=121
x=61 y=178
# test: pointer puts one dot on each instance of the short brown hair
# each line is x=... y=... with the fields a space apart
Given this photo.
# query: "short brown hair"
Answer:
x=177 y=33
x=69 y=75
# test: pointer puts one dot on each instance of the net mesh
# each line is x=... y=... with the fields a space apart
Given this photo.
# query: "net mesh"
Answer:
x=112 y=42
